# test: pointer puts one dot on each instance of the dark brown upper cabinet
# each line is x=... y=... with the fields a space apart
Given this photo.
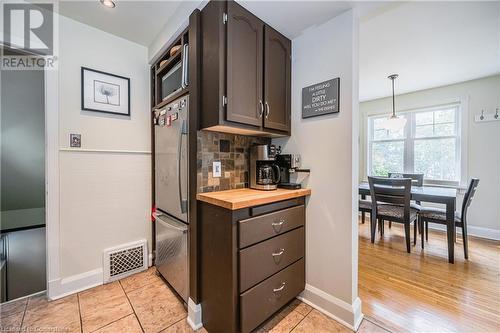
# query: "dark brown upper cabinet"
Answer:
x=245 y=73
x=245 y=35
x=277 y=81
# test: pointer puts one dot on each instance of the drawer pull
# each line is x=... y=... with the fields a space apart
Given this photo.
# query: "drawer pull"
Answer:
x=277 y=225
x=277 y=254
x=277 y=290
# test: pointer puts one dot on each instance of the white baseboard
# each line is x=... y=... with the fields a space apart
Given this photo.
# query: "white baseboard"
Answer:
x=59 y=288
x=194 y=315
x=347 y=314
x=487 y=233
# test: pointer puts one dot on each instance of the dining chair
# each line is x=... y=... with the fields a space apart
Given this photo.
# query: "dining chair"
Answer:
x=417 y=179
x=391 y=202
x=364 y=206
x=438 y=215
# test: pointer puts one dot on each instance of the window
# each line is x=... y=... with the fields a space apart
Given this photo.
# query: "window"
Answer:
x=429 y=144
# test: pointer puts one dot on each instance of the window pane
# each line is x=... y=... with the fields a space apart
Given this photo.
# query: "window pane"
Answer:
x=424 y=118
x=380 y=133
x=423 y=131
x=444 y=116
x=387 y=157
x=444 y=129
x=435 y=123
x=436 y=158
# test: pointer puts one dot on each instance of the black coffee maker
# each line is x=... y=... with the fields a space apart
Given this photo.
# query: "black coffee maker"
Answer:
x=290 y=171
x=264 y=172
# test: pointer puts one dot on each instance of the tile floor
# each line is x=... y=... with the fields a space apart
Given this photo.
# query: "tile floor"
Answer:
x=142 y=303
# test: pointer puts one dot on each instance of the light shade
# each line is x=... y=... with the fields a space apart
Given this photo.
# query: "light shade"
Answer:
x=394 y=123
x=108 y=3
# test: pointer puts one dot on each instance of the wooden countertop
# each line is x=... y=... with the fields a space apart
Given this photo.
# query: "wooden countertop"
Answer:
x=246 y=197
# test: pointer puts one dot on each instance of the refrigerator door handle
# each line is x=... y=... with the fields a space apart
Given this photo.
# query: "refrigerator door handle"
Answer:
x=179 y=228
x=182 y=133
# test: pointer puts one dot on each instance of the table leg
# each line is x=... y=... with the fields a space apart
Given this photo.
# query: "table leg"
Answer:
x=450 y=230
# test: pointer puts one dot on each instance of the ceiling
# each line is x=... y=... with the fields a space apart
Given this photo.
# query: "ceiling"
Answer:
x=292 y=17
x=138 y=21
x=429 y=44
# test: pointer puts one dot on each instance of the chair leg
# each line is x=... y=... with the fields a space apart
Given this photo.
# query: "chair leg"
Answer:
x=373 y=228
x=421 y=224
x=390 y=224
x=407 y=237
x=363 y=217
x=415 y=232
x=464 y=238
x=426 y=231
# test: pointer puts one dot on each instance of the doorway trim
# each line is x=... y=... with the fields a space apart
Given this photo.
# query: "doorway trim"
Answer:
x=52 y=180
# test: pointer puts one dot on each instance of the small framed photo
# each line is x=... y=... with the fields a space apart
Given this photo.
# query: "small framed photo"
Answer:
x=105 y=92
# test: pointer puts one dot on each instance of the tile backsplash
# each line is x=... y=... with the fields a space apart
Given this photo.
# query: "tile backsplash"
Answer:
x=233 y=151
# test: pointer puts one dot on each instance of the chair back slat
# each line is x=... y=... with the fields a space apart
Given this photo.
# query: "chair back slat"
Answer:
x=471 y=190
x=417 y=179
x=396 y=191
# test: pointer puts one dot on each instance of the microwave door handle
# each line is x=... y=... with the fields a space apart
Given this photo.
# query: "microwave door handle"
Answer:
x=185 y=53
x=183 y=79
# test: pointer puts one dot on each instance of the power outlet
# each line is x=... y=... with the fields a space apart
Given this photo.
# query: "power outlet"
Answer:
x=217 y=169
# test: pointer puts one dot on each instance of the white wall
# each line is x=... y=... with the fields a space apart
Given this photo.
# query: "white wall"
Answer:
x=174 y=26
x=329 y=146
x=104 y=187
x=483 y=144
x=459 y=41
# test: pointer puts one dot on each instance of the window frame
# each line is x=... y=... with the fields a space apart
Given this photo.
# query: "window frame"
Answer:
x=409 y=140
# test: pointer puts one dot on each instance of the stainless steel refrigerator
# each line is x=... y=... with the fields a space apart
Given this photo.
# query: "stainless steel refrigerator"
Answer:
x=171 y=186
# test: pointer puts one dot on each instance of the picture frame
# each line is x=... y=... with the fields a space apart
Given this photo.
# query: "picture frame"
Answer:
x=105 y=92
x=321 y=98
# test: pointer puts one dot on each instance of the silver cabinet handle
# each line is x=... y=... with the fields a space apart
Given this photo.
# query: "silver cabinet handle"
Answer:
x=278 y=224
x=277 y=254
x=275 y=290
x=261 y=112
x=268 y=109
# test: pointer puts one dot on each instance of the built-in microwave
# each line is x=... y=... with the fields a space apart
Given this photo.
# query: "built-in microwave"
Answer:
x=176 y=78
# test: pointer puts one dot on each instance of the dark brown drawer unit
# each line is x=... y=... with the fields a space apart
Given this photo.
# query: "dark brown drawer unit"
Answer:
x=251 y=264
x=256 y=229
x=261 y=301
x=260 y=261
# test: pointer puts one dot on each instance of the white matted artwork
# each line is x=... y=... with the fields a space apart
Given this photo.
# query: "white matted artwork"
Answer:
x=105 y=92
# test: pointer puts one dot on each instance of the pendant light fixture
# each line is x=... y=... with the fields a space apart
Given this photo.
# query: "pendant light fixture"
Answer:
x=394 y=123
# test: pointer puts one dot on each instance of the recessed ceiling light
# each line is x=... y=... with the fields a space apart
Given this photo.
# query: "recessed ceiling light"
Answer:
x=108 y=3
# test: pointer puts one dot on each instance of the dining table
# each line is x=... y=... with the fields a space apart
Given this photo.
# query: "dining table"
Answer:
x=433 y=194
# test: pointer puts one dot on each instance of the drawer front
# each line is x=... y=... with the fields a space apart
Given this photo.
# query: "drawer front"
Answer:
x=260 y=302
x=259 y=228
x=260 y=261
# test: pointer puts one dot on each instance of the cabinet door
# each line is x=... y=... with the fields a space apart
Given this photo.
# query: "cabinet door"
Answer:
x=277 y=82
x=244 y=66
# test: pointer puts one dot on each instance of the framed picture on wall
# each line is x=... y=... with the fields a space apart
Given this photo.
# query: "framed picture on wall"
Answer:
x=105 y=92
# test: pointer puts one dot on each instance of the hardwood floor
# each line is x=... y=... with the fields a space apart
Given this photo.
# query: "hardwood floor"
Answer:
x=421 y=291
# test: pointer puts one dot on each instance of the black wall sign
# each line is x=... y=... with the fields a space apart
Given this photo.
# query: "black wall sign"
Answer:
x=321 y=98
